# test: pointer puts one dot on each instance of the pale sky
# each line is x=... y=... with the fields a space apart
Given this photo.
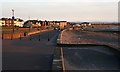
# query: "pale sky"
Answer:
x=70 y=10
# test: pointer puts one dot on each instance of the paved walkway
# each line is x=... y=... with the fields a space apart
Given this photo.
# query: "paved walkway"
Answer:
x=57 y=61
x=26 y=54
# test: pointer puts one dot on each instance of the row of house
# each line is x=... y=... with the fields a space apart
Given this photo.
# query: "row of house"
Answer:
x=31 y=23
x=39 y=23
x=10 y=22
x=83 y=24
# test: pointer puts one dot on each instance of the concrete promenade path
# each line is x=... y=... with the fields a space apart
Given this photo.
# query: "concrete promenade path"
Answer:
x=90 y=37
x=34 y=52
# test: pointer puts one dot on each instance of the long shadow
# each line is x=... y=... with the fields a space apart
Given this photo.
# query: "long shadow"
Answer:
x=84 y=55
x=89 y=45
x=26 y=61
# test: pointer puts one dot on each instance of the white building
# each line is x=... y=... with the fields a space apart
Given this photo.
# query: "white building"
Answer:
x=2 y=22
x=61 y=24
x=18 y=22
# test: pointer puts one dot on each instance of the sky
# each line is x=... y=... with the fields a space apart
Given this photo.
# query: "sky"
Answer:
x=69 y=10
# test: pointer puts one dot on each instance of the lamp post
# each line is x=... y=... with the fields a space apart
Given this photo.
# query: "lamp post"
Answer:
x=13 y=19
x=12 y=23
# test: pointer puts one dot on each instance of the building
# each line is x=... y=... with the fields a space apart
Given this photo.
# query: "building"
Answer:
x=6 y=22
x=51 y=23
x=85 y=24
x=18 y=22
x=2 y=21
x=60 y=24
x=63 y=24
x=32 y=23
x=38 y=23
x=10 y=22
x=45 y=24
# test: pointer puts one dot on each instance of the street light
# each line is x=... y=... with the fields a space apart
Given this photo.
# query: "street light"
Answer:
x=12 y=22
x=13 y=19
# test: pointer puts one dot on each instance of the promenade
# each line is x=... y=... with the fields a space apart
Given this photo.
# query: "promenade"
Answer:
x=89 y=37
x=33 y=52
x=90 y=51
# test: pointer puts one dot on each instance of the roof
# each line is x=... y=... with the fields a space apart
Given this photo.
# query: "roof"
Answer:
x=33 y=21
x=85 y=23
x=11 y=19
x=59 y=21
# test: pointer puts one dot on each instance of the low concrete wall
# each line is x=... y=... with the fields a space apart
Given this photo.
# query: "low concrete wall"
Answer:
x=31 y=33
x=12 y=36
x=18 y=35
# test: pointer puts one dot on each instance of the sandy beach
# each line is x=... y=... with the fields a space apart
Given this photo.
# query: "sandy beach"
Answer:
x=90 y=37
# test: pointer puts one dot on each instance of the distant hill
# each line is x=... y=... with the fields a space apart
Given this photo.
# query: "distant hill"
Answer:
x=95 y=22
